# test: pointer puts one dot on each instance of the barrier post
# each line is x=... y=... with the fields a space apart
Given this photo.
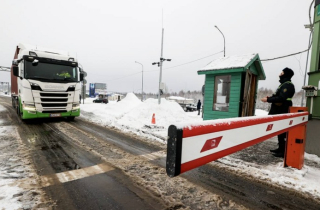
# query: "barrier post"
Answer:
x=296 y=140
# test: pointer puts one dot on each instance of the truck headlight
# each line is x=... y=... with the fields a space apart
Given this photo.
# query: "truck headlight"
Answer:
x=75 y=106
x=35 y=86
x=71 y=88
x=29 y=106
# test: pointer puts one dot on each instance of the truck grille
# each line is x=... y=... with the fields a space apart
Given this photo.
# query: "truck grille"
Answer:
x=54 y=104
x=55 y=111
x=54 y=94
x=54 y=99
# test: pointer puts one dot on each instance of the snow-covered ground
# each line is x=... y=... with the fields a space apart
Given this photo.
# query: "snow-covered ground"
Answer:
x=132 y=115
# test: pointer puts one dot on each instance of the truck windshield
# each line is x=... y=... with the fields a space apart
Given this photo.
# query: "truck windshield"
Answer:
x=50 y=72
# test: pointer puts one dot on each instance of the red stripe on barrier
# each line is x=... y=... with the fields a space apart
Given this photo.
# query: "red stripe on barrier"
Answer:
x=211 y=144
x=201 y=161
x=222 y=126
x=269 y=128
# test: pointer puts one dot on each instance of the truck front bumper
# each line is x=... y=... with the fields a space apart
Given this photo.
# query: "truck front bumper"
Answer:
x=26 y=114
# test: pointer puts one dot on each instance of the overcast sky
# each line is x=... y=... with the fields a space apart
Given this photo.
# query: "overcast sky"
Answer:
x=109 y=36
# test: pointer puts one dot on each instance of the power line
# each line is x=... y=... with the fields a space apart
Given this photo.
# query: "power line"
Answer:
x=2 y=68
x=284 y=56
x=166 y=68
x=189 y=62
x=194 y=60
x=125 y=76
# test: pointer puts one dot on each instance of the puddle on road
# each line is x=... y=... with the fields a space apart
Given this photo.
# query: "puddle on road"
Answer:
x=47 y=142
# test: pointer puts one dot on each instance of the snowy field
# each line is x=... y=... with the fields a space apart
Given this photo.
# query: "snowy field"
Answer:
x=132 y=115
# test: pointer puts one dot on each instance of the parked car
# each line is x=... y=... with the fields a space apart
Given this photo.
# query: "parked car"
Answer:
x=101 y=99
x=189 y=107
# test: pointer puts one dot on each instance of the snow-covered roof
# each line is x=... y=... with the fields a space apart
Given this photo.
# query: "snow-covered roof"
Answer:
x=178 y=98
x=230 y=62
x=235 y=62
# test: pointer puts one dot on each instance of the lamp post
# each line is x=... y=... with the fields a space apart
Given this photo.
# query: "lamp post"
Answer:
x=142 y=80
x=224 y=43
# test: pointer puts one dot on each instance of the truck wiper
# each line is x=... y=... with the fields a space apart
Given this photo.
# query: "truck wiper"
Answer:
x=68 y=79
x=37 y=78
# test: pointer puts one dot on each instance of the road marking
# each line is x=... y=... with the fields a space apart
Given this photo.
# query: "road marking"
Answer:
x=154 y=155
x=69 y=176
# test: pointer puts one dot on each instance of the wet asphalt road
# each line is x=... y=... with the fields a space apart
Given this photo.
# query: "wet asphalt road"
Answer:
x=63 y=162
x=105 y=187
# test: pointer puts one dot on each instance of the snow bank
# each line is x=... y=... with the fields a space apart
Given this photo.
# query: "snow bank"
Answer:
x=111 y=112
x=132 y=115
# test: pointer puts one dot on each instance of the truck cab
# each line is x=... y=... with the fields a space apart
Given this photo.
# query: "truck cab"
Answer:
x=45 y=83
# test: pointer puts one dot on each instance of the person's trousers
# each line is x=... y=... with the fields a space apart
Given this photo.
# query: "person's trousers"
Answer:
x=282 y=141
x=281 y=138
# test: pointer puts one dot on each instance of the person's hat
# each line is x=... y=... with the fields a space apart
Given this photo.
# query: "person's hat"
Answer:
x=288 y=72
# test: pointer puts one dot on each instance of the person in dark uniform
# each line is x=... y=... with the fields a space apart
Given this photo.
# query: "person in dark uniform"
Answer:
x=280 y=103
x=199 y=106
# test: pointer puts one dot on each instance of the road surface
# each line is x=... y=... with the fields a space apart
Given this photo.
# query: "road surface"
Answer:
x=81 y=165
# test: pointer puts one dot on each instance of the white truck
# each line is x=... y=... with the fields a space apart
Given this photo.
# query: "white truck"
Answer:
x=45 y=83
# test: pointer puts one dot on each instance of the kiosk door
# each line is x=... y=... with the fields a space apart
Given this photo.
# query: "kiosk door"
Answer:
x=249 y=94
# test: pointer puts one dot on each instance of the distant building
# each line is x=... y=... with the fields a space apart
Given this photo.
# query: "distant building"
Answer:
x=180 y=100
x=115 y=96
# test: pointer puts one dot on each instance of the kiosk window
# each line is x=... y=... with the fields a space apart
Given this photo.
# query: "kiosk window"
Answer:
x=221 y=93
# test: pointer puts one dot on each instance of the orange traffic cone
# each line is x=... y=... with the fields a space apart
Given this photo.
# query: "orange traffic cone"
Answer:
x=153 y=121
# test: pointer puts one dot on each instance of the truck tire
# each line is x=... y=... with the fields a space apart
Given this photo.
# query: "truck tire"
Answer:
x=18 y=109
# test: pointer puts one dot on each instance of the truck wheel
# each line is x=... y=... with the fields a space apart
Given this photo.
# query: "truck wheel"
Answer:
x=18 y=110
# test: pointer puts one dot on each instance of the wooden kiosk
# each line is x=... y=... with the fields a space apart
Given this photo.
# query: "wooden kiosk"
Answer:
x=231 y=85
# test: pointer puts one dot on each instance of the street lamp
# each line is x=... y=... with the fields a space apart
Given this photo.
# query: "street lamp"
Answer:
x=160 y=64
x=142 y=80
x=224 y=43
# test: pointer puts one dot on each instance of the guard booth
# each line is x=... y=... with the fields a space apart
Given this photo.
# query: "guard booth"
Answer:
x=312 y=90
x=231 y=85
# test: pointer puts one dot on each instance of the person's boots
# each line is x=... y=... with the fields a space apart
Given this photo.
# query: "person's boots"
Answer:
x=275 y=150
x=281 y=150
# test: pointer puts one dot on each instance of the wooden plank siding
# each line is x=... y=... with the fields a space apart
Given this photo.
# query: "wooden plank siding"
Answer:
x=235 y=90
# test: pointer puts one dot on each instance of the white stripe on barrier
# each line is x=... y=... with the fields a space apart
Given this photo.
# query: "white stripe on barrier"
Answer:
x=192 y=146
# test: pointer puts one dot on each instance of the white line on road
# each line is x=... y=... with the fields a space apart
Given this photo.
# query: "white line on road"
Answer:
x=154 y=155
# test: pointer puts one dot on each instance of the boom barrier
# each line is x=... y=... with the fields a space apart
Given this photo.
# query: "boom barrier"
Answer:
x=191 y=146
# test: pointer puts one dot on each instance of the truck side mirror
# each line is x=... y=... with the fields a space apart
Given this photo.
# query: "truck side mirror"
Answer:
x=15 y=70
x=81 y=76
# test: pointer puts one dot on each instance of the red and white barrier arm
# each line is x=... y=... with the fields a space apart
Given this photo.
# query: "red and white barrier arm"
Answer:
x=190 y=146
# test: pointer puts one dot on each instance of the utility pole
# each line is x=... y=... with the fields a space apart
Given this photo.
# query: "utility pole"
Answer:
x=142 y=80
x=160 y=64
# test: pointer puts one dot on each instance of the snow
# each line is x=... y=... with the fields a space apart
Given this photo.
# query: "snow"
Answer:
x=229 y=62
x=178 y=98
x=132 y=115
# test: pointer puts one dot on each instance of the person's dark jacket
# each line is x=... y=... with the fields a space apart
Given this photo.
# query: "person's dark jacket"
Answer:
x=281 y=99
x=199 y=105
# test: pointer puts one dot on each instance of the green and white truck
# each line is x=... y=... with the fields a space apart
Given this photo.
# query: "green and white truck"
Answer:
x=45 y=83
